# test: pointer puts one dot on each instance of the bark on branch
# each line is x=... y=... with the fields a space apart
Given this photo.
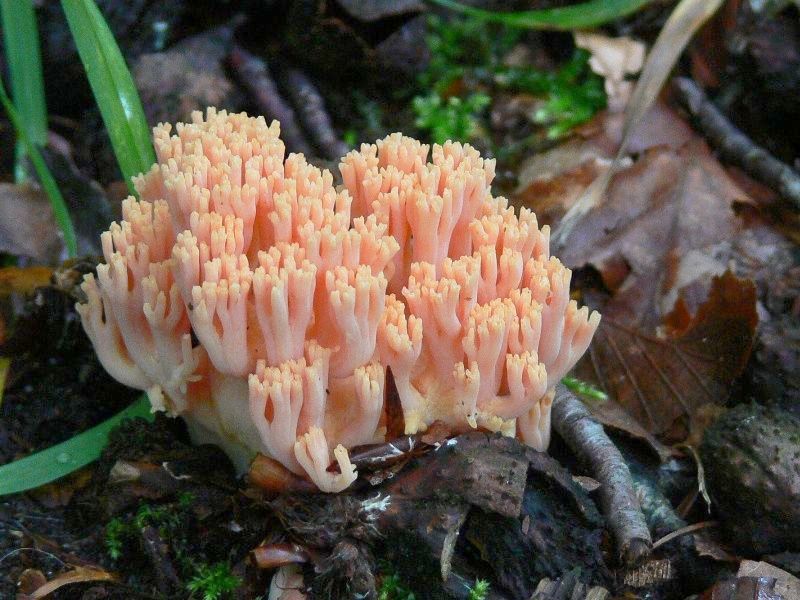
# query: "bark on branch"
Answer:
x=736 y=147
x=586 y=438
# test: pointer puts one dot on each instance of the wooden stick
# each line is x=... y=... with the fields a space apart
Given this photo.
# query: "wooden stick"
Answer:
x=587 y=439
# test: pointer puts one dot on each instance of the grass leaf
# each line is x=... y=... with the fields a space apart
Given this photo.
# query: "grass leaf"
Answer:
x=584 y=388
x=24 y=58
x=64 y=458
x=578 y=16
x=113 y=88
x=60 y=211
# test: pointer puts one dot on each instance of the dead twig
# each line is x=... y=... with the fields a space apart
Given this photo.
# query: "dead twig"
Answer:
x=587 y=439
x=735 y=146
x=312 y=114
x=253 y=74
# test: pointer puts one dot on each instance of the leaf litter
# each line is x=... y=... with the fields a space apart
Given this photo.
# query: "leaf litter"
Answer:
x=674 y=220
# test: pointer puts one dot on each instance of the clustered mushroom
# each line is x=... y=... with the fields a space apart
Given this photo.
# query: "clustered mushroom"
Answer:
x=249 y=294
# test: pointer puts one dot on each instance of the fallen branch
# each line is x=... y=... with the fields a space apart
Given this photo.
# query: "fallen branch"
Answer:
x=735 y=146
x=586 y=438
x=253 y=74
x=313 y=116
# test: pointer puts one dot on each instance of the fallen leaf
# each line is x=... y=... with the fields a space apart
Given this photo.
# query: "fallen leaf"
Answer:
x=702 y=419
x=76 y=575
x=707 y=544
x=666 y=226
x=663 y=380
x=14 y=280
x=681 y=25
x=15 y=285
x=27 y=225
x=59 y=493
x=611 y=415
x=29 y=581
x=709 y=52
x=550 y=182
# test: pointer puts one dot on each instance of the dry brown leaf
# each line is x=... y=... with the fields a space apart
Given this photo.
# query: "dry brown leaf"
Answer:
x=744 y=588
x=681 y=25
x=28 y=582
x=59 y=493
x=709 y=52
x=14 y=280
x=76 y=575
x=15 y=284
x=550 y=182
x=663 y=232
x=611 y=415
x=707 y=544
x=27 y=226
x=664 y=380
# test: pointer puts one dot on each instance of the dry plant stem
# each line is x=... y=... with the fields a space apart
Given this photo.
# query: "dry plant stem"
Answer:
x=253 y=74
x=684 y=530
x=312 y=114
x=587 y=439
x=736 y=146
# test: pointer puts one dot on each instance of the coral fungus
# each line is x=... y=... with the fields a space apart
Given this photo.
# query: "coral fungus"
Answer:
x=249 y=294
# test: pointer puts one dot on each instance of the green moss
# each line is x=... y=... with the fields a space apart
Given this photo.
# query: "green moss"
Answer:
x=213 y=582
x=451 y=119
x=117 y=532
x=392 y=588
x=206 y=581
x=466 y=67
x=120 y=532
x=479 y=591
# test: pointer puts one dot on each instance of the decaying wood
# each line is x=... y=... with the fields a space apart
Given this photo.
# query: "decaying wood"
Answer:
x=586 y=438
x=485 y=471
x=518 y=508
x=736 y=146
x=479 y=494
x=380 y=456
x=568 y=586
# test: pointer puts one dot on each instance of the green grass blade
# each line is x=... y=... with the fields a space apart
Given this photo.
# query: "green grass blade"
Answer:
x=60 y=211
x=24 y=58
x=578 y=16
x=584 y=388
x=64 y=458
x=113 y=88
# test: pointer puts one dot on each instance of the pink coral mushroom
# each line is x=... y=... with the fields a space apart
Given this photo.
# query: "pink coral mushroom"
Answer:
x=249 y=294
